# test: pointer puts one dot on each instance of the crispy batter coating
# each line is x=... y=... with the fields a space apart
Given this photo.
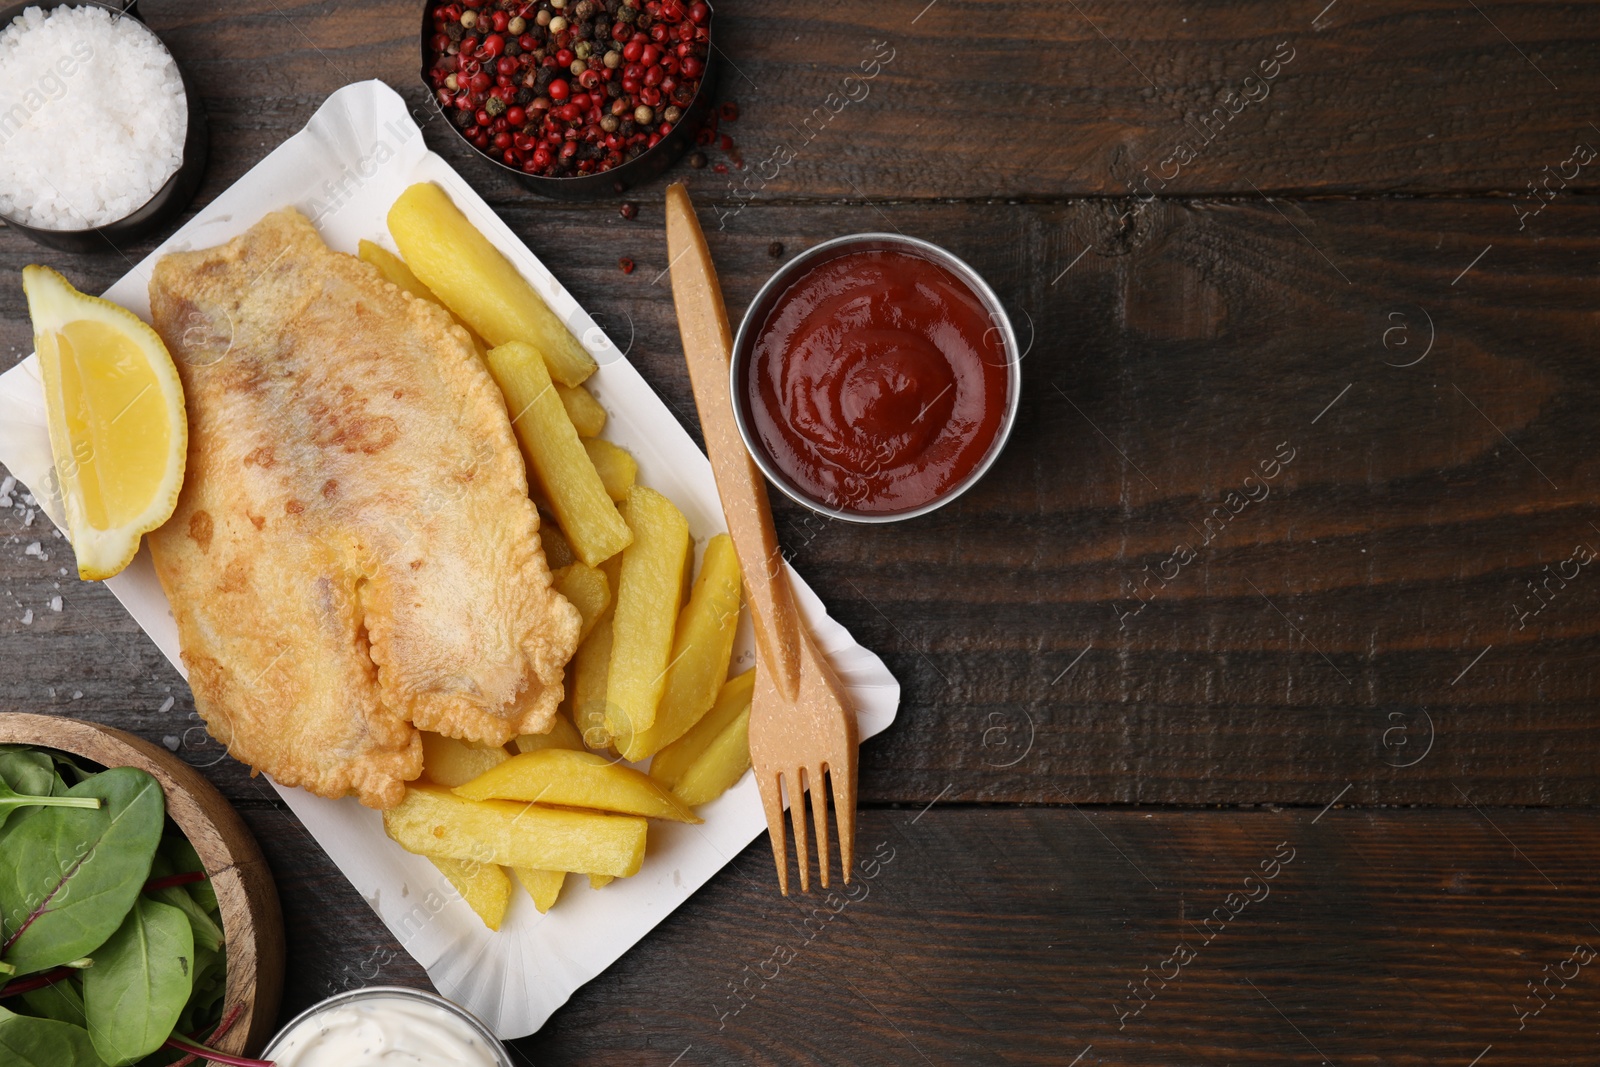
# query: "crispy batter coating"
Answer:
x=354 y=556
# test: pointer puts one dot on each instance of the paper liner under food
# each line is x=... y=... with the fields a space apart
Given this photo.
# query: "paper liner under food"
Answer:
x=352 y=160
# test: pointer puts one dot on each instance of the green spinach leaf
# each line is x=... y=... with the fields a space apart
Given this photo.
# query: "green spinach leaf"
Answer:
x=27 y=771
x=207 y=934
x=11 y=801
x=30 y=1042
x=140 y=981
x=71 y=875
x=61 y=1001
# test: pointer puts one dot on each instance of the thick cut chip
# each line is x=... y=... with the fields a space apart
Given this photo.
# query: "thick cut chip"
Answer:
x=449 y=762
x=475 y=281
x=588 y=590
x=701 y=651
x=719 y=767
x=672 y=763
x=649 y=591
x=484 y=886
x=394 y=269
x=543 y=886
x=562 y=734
x=576 y=780
x=617 y=468
x=435 y=822
x=591 y=668
x=556 y=457
x=587 y=416
x=354 y=555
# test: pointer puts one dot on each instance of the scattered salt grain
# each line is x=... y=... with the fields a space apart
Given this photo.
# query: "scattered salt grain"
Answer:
x=27 y=498
x=93 y=122
x=27 y=617
x=55 y=603
x=166 y=706
x=27 y=517
x=172 y=742
x=7 y=484
x=77 y=694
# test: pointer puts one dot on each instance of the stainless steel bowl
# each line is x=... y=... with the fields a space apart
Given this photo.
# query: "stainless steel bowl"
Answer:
x=645 y=167
x=756 y=315
x=404 y=992
x=168 y=201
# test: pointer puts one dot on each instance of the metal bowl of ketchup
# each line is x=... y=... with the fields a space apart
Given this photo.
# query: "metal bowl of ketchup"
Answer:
x=875 y=377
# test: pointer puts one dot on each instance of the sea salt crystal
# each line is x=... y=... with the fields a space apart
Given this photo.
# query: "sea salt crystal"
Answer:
x=55 y=603
x=27 y=517
x=172 y=742
x=7 y=484
x=166 y=706
x=92 y=117
x=27 y=617
x=77 y=694
x=33 y=550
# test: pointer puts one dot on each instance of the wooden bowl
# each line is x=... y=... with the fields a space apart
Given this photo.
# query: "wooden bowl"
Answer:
x=251 y=920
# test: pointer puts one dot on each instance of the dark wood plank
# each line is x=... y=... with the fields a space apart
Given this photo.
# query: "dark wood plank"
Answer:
x=982 y=936
x=995 y=936
x=1031 y=99
x=1325 y=636
x=335 y=941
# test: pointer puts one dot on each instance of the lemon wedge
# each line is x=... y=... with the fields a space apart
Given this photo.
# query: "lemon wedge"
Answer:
x=117 y=426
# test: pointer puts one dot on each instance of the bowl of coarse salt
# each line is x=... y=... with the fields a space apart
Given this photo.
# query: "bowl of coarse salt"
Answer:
x=102 y=136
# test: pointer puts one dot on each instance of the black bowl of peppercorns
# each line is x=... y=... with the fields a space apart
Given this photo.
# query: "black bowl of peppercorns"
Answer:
x=573 y=98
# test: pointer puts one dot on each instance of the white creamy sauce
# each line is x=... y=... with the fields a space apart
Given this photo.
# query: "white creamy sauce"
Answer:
x=389 y=1031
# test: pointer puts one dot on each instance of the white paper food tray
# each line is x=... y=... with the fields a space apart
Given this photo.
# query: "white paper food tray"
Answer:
x=355 y=156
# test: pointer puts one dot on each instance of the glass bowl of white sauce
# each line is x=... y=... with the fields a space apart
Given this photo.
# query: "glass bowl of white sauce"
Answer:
x=387 y=1026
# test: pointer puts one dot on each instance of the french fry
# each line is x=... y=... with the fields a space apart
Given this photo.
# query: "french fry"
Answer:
x=555 y=455
x=649 y=594
x=562 y=735
x=449 y=762
x=587 y=416
x=557 y=550
x=701 y=651
x=617 y=468
x=588 y=590
x=600 y=881
x=721 y=765
x=484 y=886
x=587 y=697
x=672 y=763
x=394 y=269
x=434 y=822
x=448 y=255
x=576 y=780
x=543 y=886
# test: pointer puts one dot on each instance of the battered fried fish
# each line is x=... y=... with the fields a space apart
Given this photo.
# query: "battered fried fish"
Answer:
x=354 y=555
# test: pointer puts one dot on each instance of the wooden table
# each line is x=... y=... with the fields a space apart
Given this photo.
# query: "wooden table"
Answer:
x=1249 y=706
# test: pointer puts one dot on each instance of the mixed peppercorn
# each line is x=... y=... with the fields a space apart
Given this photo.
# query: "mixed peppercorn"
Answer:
x=566 y=87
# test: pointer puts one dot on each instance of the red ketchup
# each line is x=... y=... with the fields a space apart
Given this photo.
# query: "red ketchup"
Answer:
x=878 y=382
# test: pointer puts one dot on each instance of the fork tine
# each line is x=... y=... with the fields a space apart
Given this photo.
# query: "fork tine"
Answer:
x=819 y=811
x=797 y=815
x=771 y=790
x=844 y=808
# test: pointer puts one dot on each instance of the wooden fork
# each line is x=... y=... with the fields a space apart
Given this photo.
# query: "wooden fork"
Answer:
x=802 y=729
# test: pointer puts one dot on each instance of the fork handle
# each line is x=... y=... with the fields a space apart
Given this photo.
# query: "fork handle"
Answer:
x=708 y=350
